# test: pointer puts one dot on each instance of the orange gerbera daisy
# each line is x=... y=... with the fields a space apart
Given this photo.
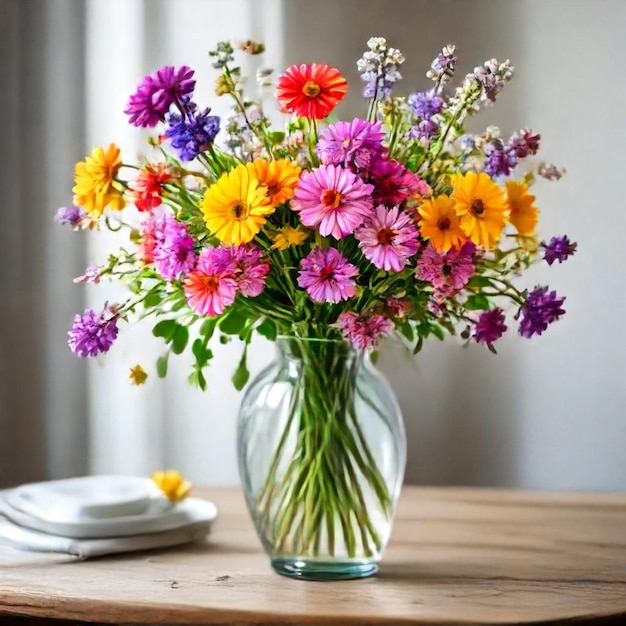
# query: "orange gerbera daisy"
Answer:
x=524 y=214
x=439 y=223
x=95 y=187
x=481 y=207
x=311 y=91
x=280 y=176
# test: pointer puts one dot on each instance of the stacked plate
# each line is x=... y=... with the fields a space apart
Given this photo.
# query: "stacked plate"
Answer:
x=96 y=515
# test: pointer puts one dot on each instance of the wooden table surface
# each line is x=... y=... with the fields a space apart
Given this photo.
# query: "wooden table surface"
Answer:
x=457 y=556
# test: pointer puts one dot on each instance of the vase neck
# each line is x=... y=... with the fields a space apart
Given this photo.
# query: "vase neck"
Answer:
x=304 y=349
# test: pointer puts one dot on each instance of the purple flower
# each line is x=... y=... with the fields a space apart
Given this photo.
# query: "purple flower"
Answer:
x=249 y=269
x=333 y=199
x=173 y=253
x=351 y=144
x=443 y=65
x=388 y=238
x=192 y=133
x=91 y=275
x=500 y=161
x=424 y=132
x=72 y=215
x=379 y=68
x=559 y=249
x=425 y=104
x=490 y=326
x=327 y=276
x=364 y=331
x=93 y=333
x=541 y=308
x=157 y=92
x=448 y=272
x=524 y=143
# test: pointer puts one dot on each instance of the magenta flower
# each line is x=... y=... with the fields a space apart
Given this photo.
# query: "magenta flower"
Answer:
x=249 y=269
x=93 y=333
x=173 y=253
x=540 y=309
x=388 y=238
x=490 y=326
x=210 y=287
x=393 y=183
x=351 y=144
x=364 y=331
x=333 y=199
x=448 y=272
x=156 y=94
x=559 y=249
x=327 y=276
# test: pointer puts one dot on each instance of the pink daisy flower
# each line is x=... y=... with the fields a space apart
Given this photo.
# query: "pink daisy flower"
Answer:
x=327 y=276
x=388 y=238
x=333 y=199
x=394 y=184
x=210 y=288
x=351 y=144
x=364 y=331
x=450 y=271
x=249 y=269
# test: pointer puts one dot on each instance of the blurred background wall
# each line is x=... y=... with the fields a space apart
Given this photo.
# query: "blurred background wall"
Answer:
x=549 y=412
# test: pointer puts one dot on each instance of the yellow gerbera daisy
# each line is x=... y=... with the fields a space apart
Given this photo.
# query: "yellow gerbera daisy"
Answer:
x=288 y=236
x=236 y=206
x=439 y=223
x=172 y=484
x=481 y=207
x=523 y=212
x=95 y=186
x=280 y=176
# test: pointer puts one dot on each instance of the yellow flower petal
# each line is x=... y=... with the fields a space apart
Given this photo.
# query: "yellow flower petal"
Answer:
x=523 y=212
x=236 y=206
x=440 y=224
x=95 y=187
x=481 y=208
x=172 y=484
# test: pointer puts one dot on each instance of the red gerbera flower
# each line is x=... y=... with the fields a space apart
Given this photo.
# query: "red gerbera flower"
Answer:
x=148 y=186
x=311 y=91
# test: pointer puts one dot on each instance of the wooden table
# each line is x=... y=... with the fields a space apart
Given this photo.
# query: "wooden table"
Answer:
x=457 y=556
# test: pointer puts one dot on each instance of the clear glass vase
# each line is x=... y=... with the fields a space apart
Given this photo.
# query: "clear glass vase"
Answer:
x=322 y=451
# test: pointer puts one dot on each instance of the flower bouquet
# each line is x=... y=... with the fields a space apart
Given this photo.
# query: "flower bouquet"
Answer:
x=323 y=236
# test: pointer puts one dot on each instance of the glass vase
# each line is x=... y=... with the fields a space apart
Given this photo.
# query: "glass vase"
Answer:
x=322 y=450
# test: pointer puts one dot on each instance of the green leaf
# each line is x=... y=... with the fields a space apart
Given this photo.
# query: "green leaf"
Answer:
x=161 y=365
x=233 y=323
x=165 y=329
x=154 y=298
x=241 y=375
x=197 y=378
x=438 y=331
x=480 y=281
x=208 y=327
x=224 y=339
x=419 y=345
x=407 y=330
x=267 y=329
x=201 y=352
x=477 y=302
x=180 y=339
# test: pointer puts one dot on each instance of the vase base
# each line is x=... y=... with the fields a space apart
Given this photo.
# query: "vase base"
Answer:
x=318 y=569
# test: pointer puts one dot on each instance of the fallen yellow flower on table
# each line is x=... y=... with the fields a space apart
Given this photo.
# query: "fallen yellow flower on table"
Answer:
x=172 y=484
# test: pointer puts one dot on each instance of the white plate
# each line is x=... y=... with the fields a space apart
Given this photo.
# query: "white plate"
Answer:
x=100 y=507
x=88 y=497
